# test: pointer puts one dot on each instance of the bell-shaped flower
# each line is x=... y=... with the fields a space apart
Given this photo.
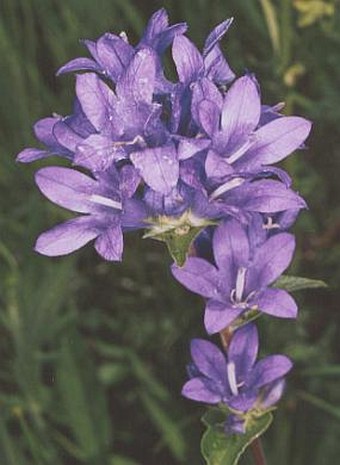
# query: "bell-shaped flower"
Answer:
x=235 y=377
x=47 y=130
x=127 y=124
x=241 y=142
x=105 y=202
x=192 y=66
x=241 y=278
x=112 y=54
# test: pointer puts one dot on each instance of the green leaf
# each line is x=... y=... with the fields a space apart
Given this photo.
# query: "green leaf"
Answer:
x=179 y=244
x=326 y=370
x=297 y=283
x=320 y=403
x=112 y=373
x=121 y=460
x=272 y=23
x=218 y=448
x=178 y=241
x=177 y=233
x=83 y=403
x=167 y=427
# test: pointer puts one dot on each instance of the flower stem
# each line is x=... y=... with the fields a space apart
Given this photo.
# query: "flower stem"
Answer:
x=256 y=445
x=258 y=452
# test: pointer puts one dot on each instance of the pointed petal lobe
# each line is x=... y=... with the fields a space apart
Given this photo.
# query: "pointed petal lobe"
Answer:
x=66 y=237
x=198 y=276
x=277 y=302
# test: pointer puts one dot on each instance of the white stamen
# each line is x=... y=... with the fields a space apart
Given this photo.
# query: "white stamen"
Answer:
x=226 y=187
x=123 y=36
x=232 y=378
x=137 y=140
x=106 y=202
x=241 y=151
x=240 y=282
x=270 y=224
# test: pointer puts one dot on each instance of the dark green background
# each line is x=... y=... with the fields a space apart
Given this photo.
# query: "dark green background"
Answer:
x=93 y=354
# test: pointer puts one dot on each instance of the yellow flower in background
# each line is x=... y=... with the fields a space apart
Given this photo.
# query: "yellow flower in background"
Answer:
x=312 y=11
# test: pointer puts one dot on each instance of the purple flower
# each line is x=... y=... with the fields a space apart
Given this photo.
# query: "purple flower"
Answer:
x=191 y=65
x=105 y=202
x=112 y=54
x=240 y=142
x=59 y=135
x=241 y=278
x=235 y=378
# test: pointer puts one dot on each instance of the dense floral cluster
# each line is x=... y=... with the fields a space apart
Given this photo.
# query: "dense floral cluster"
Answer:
x=189 y=162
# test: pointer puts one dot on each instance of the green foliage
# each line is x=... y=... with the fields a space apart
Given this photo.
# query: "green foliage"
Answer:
x=93 y=354
x=296 y=283
x=219 y=449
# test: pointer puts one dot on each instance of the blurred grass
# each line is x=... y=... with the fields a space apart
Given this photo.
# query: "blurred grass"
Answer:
x=93 y=354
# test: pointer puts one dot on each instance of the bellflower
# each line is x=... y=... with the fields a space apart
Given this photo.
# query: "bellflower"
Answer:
x=238 y=144
x=235 y=378
x=192 y=67
x=106 y=203
x=59 y=135
x=241 y=279
x=112 y=54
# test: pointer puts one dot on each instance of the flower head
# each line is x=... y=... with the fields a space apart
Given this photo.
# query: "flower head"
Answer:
x=240 y=279
x=105 y=202
x=234 y=377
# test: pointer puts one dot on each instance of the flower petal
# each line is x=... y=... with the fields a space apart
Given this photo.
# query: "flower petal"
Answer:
x=158 y=167
x=30 y=154
x=217 y=68
x=138 y=81
x=96 y=99
x=272 y=393
x=276 y=140
x=244 y=401
x=114 y=55
x=216 y=35
x=210 y=361
x=268 y=369
x=109 y=244
x=269 y=262
x=242 y=107
x=216 y=166
x=219 y=315
x=209 y=116
x=243 y=350
x=79 y=64
x=43 y=129
x=196 y=389
x=67 y=237
x=187 y=58
x=198 y=276
x=66 y=136
x=187 y=147
x=129 y=181
x=66 y=187
x=134 y=215
x=202 y=90
x=158 y=34
x=277 y=302
x=231 y=248
x=97 y=153
x=265 y=196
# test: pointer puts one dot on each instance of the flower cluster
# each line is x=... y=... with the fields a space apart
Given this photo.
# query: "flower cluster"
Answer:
x=190 y=162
